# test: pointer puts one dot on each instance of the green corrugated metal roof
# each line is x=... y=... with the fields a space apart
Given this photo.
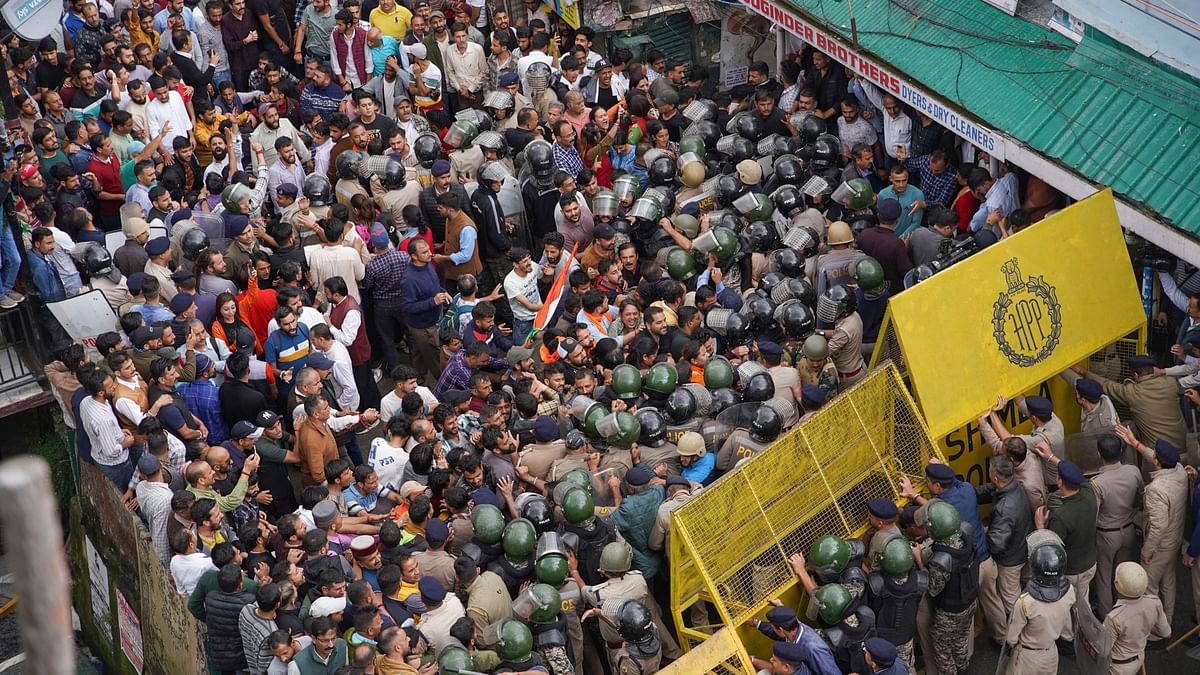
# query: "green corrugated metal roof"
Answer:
x=1113 y=116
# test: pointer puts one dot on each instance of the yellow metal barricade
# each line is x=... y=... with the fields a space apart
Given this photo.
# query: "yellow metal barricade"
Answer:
x=730 y=544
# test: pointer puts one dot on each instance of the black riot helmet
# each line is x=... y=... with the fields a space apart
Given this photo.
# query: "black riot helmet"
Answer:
x=708 y=131
x=662 y=171
x=540 y=156
x=760 y=310
x=347 y=163
x=835 y=303
x=762 y=236
x=766 y=425
x=394 y=175
x=729 y=188
x=749 y=127
x=769 y=281
x=725 y=397
x=788 y=199
x=680 y=406
x=654 y=427
x=636 y=626
x=1047 y=563
x=788 y=262
x=787 y=171
x=196 y=240
x=317 y=189
x=98 y=261
x=826 y=150
x=539 y=512
x=760 y=387
x=797 y=320
x=737 y=330
x=427 y=148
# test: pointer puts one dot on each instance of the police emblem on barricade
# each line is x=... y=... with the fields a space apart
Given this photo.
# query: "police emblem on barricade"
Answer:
x=1027 y=319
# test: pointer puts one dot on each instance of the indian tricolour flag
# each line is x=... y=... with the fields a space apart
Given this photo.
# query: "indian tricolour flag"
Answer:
x=550 y=306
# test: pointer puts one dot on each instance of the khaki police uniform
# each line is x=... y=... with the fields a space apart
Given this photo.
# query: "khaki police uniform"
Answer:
x=488 y=601
x=1117 y=489
x=1134 y=621
x=1033 y=628
x=1154 y=402
x=1166 y=504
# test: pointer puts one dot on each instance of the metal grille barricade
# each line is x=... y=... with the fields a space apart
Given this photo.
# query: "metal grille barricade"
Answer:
x=730 y=544
x=721 y=654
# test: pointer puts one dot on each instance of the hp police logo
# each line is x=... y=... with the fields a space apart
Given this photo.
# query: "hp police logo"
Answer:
x=1026 y=318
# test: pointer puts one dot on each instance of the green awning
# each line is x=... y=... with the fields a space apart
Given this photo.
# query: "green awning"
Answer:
x=1109 y=114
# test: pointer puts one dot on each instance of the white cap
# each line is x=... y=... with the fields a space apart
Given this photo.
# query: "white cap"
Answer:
x=418 y=50
x=327 y=606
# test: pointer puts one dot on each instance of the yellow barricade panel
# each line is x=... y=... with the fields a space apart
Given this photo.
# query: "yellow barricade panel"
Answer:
x=731 y=542
x=1015 y=314
x=721 y=654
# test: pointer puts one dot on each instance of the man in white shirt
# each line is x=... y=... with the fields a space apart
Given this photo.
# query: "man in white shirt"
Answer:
x=520 y=286
x=135 y=105
x=335 y=358
x=168 y=106
x=389 y=455
x=406 y=382
x=110 y=443
x=897 y=127
x=537 y=54
x=188 y=564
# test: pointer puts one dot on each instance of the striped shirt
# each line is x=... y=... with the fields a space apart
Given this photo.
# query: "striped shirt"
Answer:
x=288 y=351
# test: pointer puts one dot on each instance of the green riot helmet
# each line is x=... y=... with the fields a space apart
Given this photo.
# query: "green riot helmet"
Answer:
x=897 y=558
x=461 y=133
x=661 y=379
x=833 y=602
x=687 y=225
x=718 y=373
x=454 y=658
x=233 y=196
x=869 y=274
x=681 y=264
x=551 y=570
x=626 y=188
x=516 y=641
x=519 y=540
x=856 y=192
x=540 y=603
x=815 y=348
x=727 y=243
x=580 y=478
x=488 y=523
x=550 y=560
x=594 y=415
x=940 y=518
x=605 y=204
x=692 y=144
x=620 y=429
x=578 y=507
x=763 y=210
x=829 y=555
x=616 y=557
x=627 y=382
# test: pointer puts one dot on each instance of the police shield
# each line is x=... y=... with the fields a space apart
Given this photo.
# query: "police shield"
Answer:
x=1094 y=639
x=214 y=226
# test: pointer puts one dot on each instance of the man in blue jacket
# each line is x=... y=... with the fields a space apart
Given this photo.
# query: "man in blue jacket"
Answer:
x=423 y=299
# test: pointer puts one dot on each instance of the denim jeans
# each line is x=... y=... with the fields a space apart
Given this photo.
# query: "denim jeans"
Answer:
x=521 y=329
x=10 y=258
x=221 y=76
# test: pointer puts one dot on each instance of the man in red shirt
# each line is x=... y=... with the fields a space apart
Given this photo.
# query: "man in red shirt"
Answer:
x=107 y=171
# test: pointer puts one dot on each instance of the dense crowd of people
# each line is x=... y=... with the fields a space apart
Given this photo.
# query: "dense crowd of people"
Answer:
x=431 y=313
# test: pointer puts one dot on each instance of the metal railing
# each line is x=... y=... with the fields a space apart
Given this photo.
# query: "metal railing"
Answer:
x=24 y=351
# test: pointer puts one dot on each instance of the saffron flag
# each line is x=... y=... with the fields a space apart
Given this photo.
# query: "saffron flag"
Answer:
x=550 y=306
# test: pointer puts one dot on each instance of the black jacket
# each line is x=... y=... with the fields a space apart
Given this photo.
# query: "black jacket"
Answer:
x=489 y=218
x=1011 y=521
x=429 y=210
x=192 y=75
x=224 y=641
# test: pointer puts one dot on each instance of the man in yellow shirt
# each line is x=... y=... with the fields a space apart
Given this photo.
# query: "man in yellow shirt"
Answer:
x=208 y=124
x=392 y=18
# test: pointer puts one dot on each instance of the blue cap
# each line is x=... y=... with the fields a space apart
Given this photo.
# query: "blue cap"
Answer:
x=889 y=210
x=1042 y=407
x=157 y=246
x=236 y=224
x=1168 y=454
x=909 y=515
x=545 y=429
x=287 y=190
x=134 y=282
x=790 y=652
x=1141 y=362
x=770 y=349
x=431 y=589
x=182 y=214
x=440 y=168
x=319 y=362
x=203 y=363
x=485 y=496
x=784 y=617
x=985 y=238
x=436 y=531
x=1070 y=473
x=637 y=476
x=181 y=302
x=1089 y=389
x=379 y=237
x=884 y=509
x=182 y=275
x=939 y=472
x=882 y=652
x=508 y=79
x=811 y=396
